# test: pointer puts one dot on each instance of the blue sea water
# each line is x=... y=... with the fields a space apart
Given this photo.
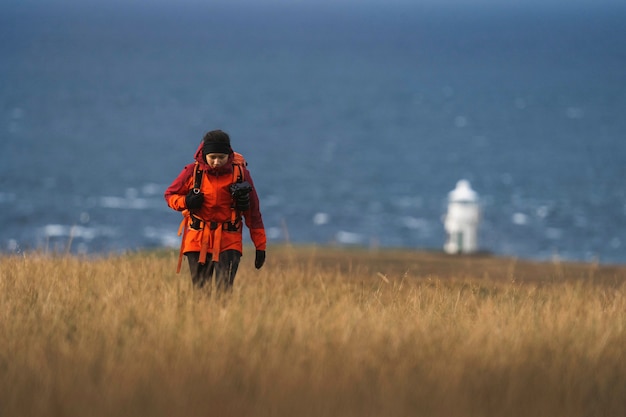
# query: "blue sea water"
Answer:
x=356 y=123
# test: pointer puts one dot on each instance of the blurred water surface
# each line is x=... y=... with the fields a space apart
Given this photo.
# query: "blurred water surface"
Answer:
x=356 y=123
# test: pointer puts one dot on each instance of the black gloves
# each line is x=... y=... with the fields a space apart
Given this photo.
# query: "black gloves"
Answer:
x=259 y=260
x=194 y=200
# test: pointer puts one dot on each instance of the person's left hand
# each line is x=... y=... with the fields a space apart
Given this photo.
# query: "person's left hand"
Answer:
x=259 y=259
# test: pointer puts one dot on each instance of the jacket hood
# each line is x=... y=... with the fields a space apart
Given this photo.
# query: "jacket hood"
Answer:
x=224 y=169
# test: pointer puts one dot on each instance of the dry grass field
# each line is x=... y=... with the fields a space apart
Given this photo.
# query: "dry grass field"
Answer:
x=316 y=332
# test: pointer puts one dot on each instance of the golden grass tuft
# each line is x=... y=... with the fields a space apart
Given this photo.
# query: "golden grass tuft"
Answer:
x=316 y=332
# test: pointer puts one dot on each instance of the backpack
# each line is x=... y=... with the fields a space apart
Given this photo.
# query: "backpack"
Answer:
x=239 y=163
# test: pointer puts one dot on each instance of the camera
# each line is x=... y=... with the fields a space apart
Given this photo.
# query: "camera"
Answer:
x=240 y=191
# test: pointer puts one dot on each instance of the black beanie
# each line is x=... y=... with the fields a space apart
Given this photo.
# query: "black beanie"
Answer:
x=216 y=141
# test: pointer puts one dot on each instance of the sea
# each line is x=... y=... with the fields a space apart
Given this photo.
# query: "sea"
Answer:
x=356 y=119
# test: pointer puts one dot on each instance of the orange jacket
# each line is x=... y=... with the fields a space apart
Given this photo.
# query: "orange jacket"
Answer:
x=216 y=214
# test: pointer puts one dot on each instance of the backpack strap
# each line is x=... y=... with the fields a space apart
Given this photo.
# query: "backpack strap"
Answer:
x=237 y=173
x=197 y=178
x=239 y=163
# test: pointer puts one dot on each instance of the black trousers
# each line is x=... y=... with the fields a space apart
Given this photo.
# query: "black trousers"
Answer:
x=225 y=269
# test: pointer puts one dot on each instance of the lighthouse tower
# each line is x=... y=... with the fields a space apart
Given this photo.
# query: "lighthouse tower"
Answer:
x=461 y=220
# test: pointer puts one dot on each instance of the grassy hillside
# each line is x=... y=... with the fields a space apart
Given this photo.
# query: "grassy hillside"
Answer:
x=316 y=332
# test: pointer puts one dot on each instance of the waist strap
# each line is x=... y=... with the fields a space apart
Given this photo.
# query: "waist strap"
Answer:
x=211 y=236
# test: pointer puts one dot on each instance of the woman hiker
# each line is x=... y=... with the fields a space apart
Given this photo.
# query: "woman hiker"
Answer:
x=213 y=194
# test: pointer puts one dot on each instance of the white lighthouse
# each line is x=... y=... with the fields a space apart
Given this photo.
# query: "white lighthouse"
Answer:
x=461 y=220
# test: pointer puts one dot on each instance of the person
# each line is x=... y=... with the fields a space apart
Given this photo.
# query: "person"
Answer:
x=213 y=194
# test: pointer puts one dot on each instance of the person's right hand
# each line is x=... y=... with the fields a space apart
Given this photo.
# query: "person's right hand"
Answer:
x=194 y=201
